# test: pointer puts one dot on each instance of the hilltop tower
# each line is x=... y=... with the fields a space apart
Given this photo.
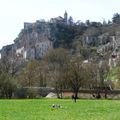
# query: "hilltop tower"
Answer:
x=65 y=17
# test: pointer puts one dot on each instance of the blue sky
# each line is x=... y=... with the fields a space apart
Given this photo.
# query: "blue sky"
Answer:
x=13 y=13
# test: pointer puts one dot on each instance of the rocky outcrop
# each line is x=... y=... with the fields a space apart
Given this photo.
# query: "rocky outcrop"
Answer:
x=7 y=50
x=35 y=39
x=32 y=42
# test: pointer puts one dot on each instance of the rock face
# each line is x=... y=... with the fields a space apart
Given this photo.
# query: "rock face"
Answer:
x=35 y=40
x=6 y=50
x=32 y=43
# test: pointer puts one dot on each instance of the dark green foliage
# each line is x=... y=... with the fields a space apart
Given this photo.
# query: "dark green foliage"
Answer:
x=88 y=52
x=70 y=21
x=64 y=35
x=116 y=18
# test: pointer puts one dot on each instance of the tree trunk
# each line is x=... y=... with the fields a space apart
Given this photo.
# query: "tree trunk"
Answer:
x=57 y=92
x=61 y=90
x=76 y=94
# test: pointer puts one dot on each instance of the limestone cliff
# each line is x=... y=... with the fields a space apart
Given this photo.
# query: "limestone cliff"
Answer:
x=36 y=39
x=32 y=42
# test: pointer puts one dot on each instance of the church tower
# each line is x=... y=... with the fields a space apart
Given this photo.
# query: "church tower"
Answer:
x=65 y=17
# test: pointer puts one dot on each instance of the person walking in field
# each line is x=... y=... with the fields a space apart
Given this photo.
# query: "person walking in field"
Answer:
x=73 y=98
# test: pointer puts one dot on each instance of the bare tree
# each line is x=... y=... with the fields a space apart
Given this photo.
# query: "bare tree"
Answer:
x=91 y=74
x=76 y=75
x=103 y=69
x=7 y=81
x=57 y=62
x=97 y=74
x=27 y=75
x=41 y=74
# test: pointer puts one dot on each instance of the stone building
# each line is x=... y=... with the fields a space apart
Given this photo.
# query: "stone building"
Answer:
x=60 y=19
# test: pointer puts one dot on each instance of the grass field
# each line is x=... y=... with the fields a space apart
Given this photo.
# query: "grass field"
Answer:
x=40 y=109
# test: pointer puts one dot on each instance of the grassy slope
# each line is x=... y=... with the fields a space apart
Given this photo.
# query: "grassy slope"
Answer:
x=41 y=110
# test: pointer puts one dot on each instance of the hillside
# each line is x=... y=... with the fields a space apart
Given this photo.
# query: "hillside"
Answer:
x=89 y=39
x=45 y=53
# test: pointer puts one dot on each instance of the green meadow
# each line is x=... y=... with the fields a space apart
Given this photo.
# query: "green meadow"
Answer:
x=41 y=109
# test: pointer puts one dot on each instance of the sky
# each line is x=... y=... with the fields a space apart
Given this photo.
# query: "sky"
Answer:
x=13 y=13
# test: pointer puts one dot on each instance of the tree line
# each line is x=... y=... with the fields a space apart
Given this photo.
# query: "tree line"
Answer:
x=59 y=69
